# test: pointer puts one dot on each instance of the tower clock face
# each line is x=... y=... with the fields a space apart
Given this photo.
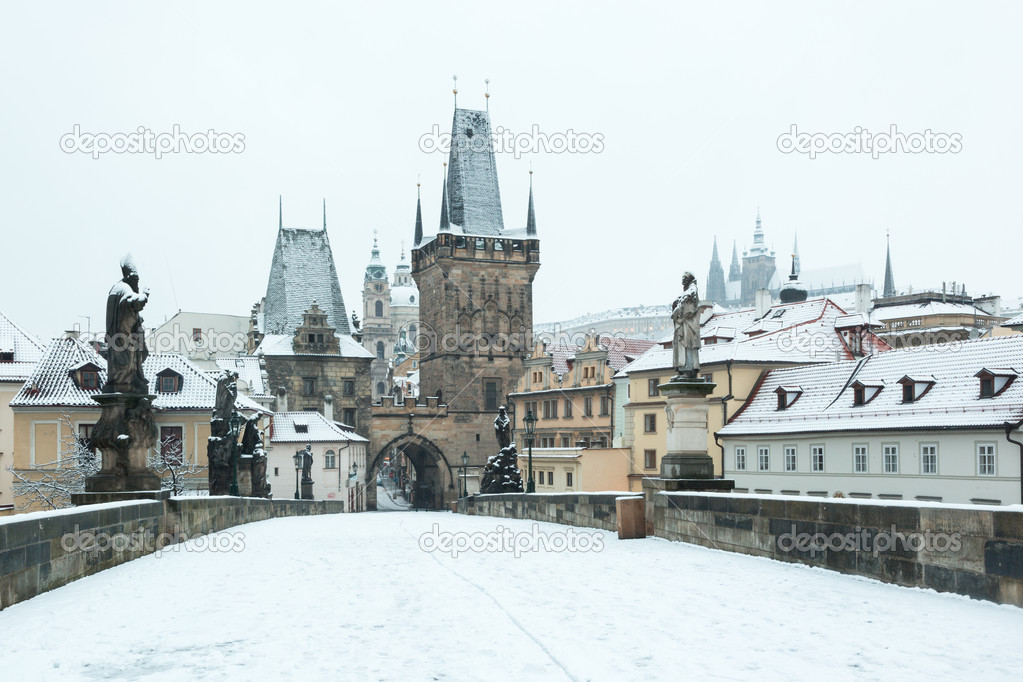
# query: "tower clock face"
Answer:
x=378 y=287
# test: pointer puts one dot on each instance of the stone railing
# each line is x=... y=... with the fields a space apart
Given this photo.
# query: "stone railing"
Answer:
x=587 y=510
x=43 y=550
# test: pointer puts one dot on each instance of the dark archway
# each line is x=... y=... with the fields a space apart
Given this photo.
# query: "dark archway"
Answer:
x=435 y=481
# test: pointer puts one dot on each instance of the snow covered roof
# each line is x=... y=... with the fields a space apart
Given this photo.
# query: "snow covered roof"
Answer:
x=474 y=197
x=309 y=427
x=302 y=272
x=620 y=352
x=826 y=404
x=51 y=383
x=26 y=348
x=404 y=296
x=249 y=371
x=282 y=344
x=897 y=312
x=797 y=333
x=1014 y=322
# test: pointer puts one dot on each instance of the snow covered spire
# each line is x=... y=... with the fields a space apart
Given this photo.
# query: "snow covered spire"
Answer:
x=735 y=270
x=445 y=223
x=715 y=290
x=280 y=212
x=889 y=279
x=530 y=215
x=419 y=221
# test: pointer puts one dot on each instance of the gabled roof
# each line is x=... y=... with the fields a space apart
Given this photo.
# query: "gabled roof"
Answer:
x=51 y=384
x=319 y=429
x=953 y=402
x=27 y=350
x=302 y=272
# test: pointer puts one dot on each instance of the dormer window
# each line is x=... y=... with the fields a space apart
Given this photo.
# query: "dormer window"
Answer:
x=993 y=382
x=168 y=381
x=863 y=393
x=787 y=395
x=90 y=380
x=301 y=428
x=7 y=357
x=914 y=388
x=85 y=376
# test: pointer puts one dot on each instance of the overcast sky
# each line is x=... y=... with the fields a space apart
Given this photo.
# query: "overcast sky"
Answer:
x=332 y=101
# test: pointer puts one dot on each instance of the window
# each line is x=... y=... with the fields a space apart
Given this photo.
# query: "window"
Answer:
x=987 y=387
x=378 y=308
x=993 y=382
x=891 y=459
x=308 y=386
x=568 y=479
x=348 y=416
x=763 y=458
x=7 y=357
x=381 y=388
x=90 y=380
x=651 y=387
x=568 y=408
x=817 y=458
x=566 y=442
x=490 y=395
x=790 y=458
x=537 y=377
x=171 y=438
x=788 y=395
x=859 y=459
x=907 y=393
x=85 y=439
x=650 y=423
x=531 y=408
x=929 y=458
x=709 y=378
x=605 y=406
x=857 y=395
x=348 y=387
x=587 y=406
x=196 y=335
x=546 y=441
x=650 y=459
x=301 y=428
x=168 y=384
x=329 y=460
x=380 y=349
x=986 y=459
x=740 y=458
x=550 y=409
x=277 y=471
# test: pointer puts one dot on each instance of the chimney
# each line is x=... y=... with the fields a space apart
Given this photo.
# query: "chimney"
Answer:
x=762 y=302
x=863 y=298
x=282 y=399
x=71 y=333
x=328 y=407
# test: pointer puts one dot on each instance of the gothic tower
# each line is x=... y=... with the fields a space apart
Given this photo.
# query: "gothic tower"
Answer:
x=715 y=291
x=377 y=331
x=758 y=266
x=889 y=279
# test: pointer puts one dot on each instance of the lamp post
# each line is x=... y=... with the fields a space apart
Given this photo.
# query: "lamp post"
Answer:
x=353 y=494
x=235 y=423
x=298 y=468
x=530 y=423
x=463 y=488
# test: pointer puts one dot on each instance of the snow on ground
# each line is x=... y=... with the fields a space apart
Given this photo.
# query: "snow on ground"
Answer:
x=353 y=597
x=391 y=500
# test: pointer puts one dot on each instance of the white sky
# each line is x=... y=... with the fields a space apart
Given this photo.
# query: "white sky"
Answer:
x=332 y=101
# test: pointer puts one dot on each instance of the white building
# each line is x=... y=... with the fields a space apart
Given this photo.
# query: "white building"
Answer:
x=201 y=337
x=335 y=449
x=925 y=424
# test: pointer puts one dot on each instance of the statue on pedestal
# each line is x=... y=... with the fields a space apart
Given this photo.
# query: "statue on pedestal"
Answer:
x=220 y=448
x=307 y=465
x=501 y=473
x=685 y=313
x=126 y=338
x=502 y=427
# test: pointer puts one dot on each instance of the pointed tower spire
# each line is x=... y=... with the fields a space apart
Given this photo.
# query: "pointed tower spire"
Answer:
x=530 y=215
x=324 y=214
x=716 y=278
x=280 y=212
x=419 y=220
x=795 y=255
x=735 y=270
x=889 y=279
x=454 y=90
x=445 y=223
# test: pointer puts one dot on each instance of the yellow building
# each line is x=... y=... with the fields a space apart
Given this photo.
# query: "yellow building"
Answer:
x=19 y=353
x=570 y=392
x=738 y=347
x=54 y=407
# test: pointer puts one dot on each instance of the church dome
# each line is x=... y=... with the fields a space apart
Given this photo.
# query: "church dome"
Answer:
x=404 y=296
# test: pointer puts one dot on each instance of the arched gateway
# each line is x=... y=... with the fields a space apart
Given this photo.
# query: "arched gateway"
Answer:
x=435 y=479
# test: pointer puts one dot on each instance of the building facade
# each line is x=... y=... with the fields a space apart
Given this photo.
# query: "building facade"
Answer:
x=19 y=353
x=390 y=314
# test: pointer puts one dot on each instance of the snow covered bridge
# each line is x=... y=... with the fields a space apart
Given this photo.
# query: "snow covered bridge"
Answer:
x=359 y=596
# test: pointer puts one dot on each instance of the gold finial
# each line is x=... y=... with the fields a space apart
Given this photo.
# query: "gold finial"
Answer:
x=487 y=93
x=454 y=90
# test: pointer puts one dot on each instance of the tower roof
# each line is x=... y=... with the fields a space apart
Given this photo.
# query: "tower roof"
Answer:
x=303 y=271
x=889 y=279
x=419 y=218
x=530 y=215
x=735 y=270
x=472 y=188
x=759 y=247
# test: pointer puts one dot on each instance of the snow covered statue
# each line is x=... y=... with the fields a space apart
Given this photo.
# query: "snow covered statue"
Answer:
x=126 y=338
x=685 y=313
x=501 y=474
x=220 y=447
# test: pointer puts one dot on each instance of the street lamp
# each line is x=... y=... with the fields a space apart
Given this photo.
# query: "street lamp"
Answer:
x=235 y=423
x=298 y=467
x=530 y=422
x=463 y=488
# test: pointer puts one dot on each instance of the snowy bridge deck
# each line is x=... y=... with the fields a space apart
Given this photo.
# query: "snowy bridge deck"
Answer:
x=352 y=596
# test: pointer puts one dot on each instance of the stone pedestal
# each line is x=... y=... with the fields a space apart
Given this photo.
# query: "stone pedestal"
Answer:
x=307 y=490
x=245 y=475
x=124 y=434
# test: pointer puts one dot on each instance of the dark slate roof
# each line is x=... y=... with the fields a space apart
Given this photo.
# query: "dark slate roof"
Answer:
x=473 y=193
x=302 y=272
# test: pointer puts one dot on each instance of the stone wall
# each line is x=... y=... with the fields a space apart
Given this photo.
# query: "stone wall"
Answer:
x=974 y=552
x=587 y=510
x=44 y=550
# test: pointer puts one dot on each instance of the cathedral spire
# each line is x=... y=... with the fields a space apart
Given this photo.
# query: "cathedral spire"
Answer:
x=735 y=270
x=419 y=220
x=280 y=212
x=445 y=223
x=715 y=291
x=530 y=215
x=889 y=279
x=324 y=214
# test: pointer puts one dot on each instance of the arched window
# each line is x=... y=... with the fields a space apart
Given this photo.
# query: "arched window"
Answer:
x=381 y=389
x=380 y=311
x=380 y=349
x=329 y=460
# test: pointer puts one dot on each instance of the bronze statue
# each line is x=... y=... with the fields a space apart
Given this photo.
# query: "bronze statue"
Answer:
x=307 y=465
x=126 y=338
x=502 y=427
x=685 y=313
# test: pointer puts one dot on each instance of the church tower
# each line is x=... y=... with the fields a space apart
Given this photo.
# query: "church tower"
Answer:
x=758 y=266
x=377 y=331
x=715 y=291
